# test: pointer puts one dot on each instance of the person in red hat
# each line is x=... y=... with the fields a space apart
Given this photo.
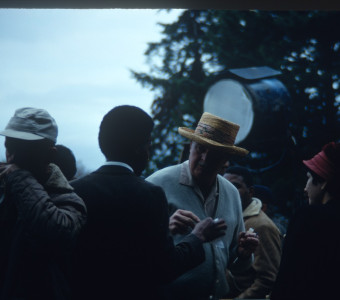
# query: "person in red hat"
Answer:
x=323 y=184
x=311 y=252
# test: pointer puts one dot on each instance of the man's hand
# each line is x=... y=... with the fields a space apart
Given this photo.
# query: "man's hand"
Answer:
x=208 y=230
x=247 y=244
x=182 y=220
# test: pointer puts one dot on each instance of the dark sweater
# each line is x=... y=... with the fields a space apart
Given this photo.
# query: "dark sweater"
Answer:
x=311 y=255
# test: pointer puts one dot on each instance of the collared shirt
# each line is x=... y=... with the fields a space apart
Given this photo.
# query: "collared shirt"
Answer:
x=118 y=163
x=209 y=278
x=210 y=202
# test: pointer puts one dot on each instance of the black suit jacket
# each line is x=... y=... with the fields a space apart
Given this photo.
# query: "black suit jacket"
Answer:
x=125 y=250
x=310 y=260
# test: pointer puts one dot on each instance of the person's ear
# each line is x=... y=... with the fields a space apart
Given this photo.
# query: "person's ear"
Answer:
x=323 y=185
x=251 y=191
x=138 y=149
x=190 y=146
x=53 y=151
x=51 y=154
x=141 y=151
x=9 y=157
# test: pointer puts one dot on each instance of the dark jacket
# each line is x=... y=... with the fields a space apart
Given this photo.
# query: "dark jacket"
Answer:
x=38 y=226
x=311 y=255
x=125 y=250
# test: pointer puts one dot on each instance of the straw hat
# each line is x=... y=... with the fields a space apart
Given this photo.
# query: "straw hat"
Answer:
x=215 y=133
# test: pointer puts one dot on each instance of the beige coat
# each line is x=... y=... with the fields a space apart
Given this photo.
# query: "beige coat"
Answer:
x=258 y=282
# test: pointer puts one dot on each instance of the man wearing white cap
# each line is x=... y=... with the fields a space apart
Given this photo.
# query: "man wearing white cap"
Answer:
x=195 y=190
x=40 y=215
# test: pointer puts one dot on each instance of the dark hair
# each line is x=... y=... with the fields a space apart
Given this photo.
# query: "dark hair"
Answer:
x=332 y=151
x=66 y=161
x=264 y=193
x=124 y=128
x=241 y=171
x=315 y=177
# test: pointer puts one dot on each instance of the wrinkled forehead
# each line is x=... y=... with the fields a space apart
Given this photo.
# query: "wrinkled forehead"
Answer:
x=205 y=147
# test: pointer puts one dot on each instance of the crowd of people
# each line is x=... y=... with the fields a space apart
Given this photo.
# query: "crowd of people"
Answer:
x=188 y=231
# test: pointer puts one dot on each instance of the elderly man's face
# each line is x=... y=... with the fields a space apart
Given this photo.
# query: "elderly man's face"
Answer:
x=205 y=163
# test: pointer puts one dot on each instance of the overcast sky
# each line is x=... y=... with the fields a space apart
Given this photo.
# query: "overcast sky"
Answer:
x=75 y=64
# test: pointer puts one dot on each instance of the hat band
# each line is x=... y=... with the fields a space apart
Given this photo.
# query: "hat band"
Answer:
x=214 y=134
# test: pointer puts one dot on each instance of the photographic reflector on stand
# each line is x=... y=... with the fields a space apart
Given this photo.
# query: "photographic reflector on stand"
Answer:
x=253 y=99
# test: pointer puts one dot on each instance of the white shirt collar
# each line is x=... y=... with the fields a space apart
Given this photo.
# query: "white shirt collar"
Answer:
x=118 y=163
x=209 y=202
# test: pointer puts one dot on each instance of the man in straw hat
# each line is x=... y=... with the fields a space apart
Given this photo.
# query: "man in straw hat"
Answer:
x=195 y=190
x=40 y=215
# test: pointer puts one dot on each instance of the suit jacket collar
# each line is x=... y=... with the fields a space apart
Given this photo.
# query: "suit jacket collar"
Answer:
x=118 y=163
x=110 y=169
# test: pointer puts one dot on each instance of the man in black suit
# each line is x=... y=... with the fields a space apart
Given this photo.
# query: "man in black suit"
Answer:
x=125 y=250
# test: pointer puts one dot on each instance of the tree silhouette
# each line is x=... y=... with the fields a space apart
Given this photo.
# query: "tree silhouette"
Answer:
x=196 y=50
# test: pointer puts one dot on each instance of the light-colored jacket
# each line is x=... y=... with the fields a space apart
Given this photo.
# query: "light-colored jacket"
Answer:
x=259 y=280
x=208 y=280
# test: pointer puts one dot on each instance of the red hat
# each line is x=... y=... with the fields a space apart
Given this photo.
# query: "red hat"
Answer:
x=321 y=165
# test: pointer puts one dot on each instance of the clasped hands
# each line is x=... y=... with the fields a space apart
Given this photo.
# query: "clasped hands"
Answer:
x=208 y=230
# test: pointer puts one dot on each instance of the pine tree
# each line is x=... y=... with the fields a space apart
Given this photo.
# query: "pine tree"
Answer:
x=196 y=50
